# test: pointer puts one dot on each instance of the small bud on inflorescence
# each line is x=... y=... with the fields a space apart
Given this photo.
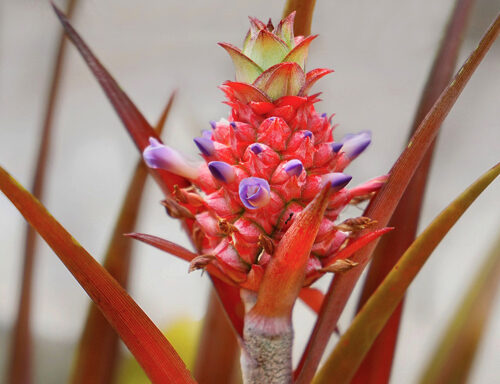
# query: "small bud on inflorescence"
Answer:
x=205 y=145
x=355 y=144
x=221 y=171
x=293 y=167
x=157 y=155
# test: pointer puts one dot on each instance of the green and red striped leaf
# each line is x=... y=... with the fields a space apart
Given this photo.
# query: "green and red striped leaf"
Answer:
x=345 y=359
x=454 y=355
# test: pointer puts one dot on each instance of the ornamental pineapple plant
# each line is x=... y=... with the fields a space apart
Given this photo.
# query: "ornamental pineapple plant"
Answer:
x=265 y=163
x=262 y=212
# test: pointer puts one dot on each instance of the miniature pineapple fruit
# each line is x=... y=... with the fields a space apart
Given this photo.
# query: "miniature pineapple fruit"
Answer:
x=266 y=162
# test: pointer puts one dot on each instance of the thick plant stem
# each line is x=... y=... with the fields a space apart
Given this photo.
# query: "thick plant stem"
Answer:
x=266 y=356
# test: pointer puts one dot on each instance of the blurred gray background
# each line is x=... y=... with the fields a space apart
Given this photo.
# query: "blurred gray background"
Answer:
x=381 y=53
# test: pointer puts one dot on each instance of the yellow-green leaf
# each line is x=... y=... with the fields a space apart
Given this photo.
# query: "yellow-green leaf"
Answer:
x=454 y=355
x=355 y=343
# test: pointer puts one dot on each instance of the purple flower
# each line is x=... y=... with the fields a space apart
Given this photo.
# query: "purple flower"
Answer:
x=205 y=145
x=355 y=144
x=157 y=155
x=254 y=192
x=336 y=146
x=293 y=167
x=221 y=171
x=337 y=180
x=213 y=124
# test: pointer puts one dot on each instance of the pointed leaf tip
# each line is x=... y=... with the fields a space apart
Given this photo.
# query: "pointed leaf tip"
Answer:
x=246 y=69
x=284 y=79
x=299 y=53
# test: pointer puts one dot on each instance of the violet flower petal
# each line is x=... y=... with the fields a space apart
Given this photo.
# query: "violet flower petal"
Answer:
x=221 y=171
x=337 y=180
x=336 y=146
x=293 y=167
x=157 y=155
x=354 y=145
x=254 y=192
x=206 y=133
x=206 y=146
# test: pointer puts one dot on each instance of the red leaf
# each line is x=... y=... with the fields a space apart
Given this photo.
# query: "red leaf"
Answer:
x=135 y=123
x=164 y=245
x=145 y=341
x=376 y=368
x=385 y=202
x=312 y=77
x=97 y=356
x=230 y=298
x=358 y=244
x=19 y=366
x=312 y=297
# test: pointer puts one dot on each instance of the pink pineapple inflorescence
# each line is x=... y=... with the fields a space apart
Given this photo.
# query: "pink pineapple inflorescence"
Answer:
x=266 y=162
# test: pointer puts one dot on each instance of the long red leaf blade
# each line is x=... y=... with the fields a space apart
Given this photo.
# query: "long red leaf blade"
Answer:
x=20 y=366
x=142 y=337
x=385 y=202
x=164 y=245
x=454 y=356
x=376 y=368
x=97 y=355
x=345 y=359
x=135 y=123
